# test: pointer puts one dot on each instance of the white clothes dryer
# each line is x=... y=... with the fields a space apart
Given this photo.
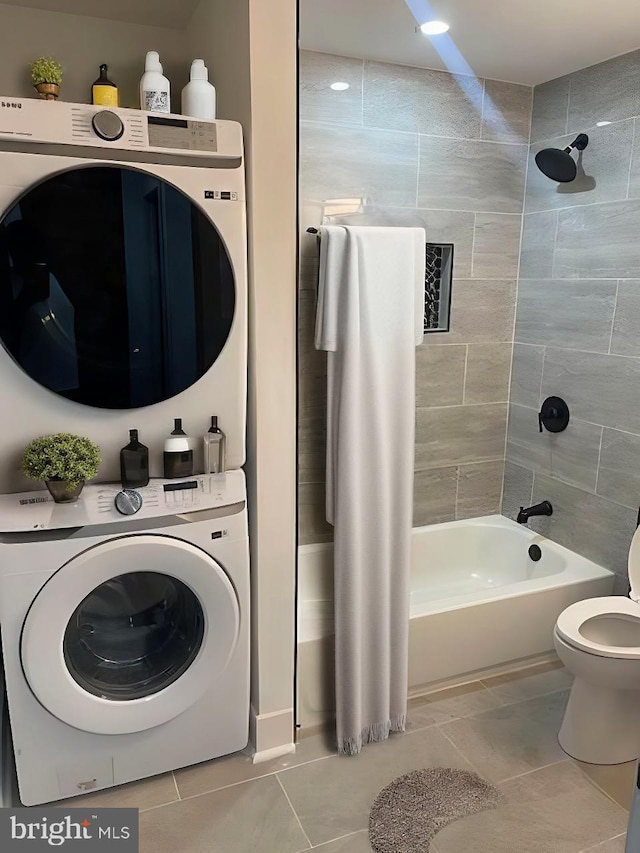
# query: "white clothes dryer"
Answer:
x=123 y=279
x=125 y=640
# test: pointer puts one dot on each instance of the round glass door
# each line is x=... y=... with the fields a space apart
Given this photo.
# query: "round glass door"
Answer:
x=116 y=290
x=133 y=636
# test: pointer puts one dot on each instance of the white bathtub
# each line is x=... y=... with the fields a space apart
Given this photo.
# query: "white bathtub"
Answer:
x=478 y=601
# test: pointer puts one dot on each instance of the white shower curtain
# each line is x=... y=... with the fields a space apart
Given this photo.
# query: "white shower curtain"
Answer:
x=369 y=319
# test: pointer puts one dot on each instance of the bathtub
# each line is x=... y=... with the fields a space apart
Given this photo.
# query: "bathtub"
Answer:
x=478 y=602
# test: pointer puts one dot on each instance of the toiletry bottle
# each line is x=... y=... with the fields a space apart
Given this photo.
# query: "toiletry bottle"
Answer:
x=155 y=89
x=199 y=96
x=214 y=449
x=104 y=92
x=178 y=455
x=134 y=463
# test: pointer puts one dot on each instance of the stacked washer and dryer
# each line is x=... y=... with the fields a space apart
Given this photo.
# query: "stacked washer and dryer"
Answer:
x=125 y=638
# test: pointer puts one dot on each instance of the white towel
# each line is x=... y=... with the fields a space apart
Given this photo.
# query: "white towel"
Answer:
x=369 y=319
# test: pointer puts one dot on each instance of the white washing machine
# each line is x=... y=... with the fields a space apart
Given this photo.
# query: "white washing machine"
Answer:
x=123 y=287
x=123 y=280
x=125 y=639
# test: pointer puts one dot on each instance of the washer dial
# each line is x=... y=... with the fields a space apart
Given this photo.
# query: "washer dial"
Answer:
x=107 y=125
x=128 y=502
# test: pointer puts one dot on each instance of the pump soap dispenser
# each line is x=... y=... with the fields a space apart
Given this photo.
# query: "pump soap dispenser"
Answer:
x=214 y=449
x=134 y=463
x=199 y=96
x=178 y=454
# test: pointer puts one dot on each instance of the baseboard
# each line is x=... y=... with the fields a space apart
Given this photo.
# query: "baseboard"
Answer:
x=271 y=735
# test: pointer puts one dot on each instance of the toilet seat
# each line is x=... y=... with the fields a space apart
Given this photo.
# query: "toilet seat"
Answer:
x=569 y=626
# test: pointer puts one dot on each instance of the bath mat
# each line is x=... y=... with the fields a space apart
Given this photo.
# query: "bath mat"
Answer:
x=407 y=814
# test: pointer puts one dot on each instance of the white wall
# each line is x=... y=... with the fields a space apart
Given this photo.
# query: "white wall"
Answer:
x=81 y=44
x=251 y=50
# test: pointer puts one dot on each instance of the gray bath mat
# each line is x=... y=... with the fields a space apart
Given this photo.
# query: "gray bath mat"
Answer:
x=407 y=814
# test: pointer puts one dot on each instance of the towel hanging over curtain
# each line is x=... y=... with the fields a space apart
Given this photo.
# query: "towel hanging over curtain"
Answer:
x=370 y=319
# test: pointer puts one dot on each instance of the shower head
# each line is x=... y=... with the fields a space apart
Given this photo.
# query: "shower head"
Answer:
x=557 y=163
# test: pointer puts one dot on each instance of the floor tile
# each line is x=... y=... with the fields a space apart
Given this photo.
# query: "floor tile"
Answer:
x=239 y=767
x=527 y=683
x=616 y=780
x=254 y=816
x=450 y=704
x=615 y=845
x=512 y=739
x=554 y=810
x=333 y=797
x=357 y=842
x=146 y=794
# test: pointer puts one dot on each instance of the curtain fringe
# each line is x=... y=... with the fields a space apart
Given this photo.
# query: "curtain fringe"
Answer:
x=372 y=734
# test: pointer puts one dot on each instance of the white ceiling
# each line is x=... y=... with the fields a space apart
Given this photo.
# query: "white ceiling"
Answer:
x=159 y=13
x=521 y=41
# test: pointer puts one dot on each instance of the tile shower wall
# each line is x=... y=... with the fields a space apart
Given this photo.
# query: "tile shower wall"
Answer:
x=408 y=146
x=578 y=318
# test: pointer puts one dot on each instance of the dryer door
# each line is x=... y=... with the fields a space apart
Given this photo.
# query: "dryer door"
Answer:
x=130 y=634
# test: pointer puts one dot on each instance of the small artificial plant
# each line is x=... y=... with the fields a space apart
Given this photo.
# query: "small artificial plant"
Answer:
x=46 y=70
x=67 y=457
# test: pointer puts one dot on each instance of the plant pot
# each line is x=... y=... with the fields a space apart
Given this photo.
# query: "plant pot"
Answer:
x=48 y=91
x=62 y=493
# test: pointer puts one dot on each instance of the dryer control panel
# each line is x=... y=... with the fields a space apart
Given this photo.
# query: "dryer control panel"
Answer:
x=29 y=511
x=59 y=123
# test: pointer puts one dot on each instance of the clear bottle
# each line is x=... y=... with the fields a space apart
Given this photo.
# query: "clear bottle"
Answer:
x=104 y=92
x=155 y=89
x=214 y=449
x=134 y=463
x=178 y=454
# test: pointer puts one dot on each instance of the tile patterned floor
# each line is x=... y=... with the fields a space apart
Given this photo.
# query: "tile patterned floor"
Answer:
x=503 y=727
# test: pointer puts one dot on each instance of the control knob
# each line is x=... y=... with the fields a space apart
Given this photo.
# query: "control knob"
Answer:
x=128 y=502
x=107 y=125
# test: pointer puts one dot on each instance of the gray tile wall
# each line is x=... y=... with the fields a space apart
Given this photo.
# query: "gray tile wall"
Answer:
x=447 y=153
x=578 y=318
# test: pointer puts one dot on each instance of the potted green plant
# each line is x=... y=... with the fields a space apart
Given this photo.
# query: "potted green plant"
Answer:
x=46 y=74
x=63 y=462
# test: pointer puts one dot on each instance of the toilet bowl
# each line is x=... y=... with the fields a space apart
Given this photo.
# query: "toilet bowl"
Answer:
x=598 y=640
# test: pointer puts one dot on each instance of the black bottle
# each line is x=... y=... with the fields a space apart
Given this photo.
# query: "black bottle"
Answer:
x=178 y=455
x=134 y=463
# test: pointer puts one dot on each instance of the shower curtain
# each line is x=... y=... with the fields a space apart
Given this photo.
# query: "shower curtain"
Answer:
x=369 y=320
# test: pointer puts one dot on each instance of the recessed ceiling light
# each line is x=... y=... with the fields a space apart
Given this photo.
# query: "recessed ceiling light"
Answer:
x=602 y=123
x=434 y=28
x=339 y=87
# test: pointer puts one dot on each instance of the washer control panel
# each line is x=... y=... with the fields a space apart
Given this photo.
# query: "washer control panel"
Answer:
x=109 y=503
x=62 y=123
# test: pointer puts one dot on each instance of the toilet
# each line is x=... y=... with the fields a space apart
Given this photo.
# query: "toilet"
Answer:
x=598 y=640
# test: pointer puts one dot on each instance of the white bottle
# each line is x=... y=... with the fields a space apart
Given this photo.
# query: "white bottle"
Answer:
x=199 y=96
x=155 y=89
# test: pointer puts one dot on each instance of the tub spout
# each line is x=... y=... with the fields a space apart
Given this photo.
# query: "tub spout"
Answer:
x=543 y=508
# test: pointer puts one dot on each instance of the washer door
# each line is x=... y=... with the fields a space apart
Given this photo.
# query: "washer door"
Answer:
x=130 y=634
x=116 y=289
